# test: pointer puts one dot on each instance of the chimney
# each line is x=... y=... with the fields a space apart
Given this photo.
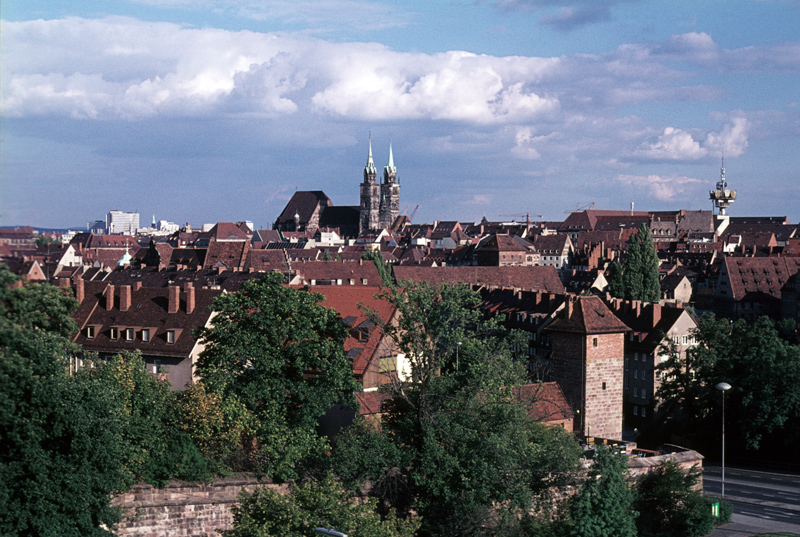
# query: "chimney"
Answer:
x=79 y=290
x=125 y=298
x=63 y=283
x=656 y=314
x=110 y=297
x=189 y=288
x=537 y=297
x=137 y=285
x=568 y=308
x=637 y=305
x=174 y=299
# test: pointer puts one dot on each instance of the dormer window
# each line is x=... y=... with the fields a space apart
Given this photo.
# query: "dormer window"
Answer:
x=129 y=334
x=170 y=336
x=145 y=334
x=114 y=333
x=90 y=332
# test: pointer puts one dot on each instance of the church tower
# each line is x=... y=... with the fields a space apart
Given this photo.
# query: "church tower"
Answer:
x=370 y=196
x=390 y=193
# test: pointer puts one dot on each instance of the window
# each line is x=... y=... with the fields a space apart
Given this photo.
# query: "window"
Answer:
x=636 y=373
x=644 y=393
x=145 y=334
x=129 y=334
x=635 y=356
x=90 y=332
x=114 y=333
x=156 y=366
x=635 y=410
x=627 y=363
x=644 y=374
x=170 y=336
x=604 y=385
x=594 y=342
x=626 y=383
x=644 y=411
x=635 y=391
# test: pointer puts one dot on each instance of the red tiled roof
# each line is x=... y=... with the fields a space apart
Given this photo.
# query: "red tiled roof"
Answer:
x=527 y=278
x=765 y=275
x=588 y=315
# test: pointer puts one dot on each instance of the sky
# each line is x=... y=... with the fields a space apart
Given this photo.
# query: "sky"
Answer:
x=202 y=111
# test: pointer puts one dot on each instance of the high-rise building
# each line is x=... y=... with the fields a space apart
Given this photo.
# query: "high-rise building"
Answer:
x=121 y=222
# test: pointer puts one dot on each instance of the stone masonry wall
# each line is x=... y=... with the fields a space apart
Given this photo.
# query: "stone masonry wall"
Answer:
x=180 y=510
x=604 y=384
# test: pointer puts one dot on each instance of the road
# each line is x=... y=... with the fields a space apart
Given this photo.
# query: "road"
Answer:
x=762 y=501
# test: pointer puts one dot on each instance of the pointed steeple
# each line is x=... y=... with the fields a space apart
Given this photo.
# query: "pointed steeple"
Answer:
x=390 y=168
x=369 y=170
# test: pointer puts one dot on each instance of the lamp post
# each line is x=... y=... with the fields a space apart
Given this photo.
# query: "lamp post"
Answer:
x=457 y=347
x=723 y=387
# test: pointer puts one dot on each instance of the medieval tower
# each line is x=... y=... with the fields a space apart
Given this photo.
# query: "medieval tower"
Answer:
x=380 y=203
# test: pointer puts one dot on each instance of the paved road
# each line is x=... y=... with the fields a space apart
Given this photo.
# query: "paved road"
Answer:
x=762 y=501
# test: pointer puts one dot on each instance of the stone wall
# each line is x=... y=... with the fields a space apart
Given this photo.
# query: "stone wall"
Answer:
x=180 y=510
x=687 y=459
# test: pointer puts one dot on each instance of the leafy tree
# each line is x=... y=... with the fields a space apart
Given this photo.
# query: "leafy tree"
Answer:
x=383 y=270
x=157 y=450
x=61 y=438
x=216 y=425
x=670 y=506
x=763 y=405
x=457 y=441
x=309 y=505
x=604 y=504
x=280 y=353
x=616 y=284
x=326 y=256
x=640 y=279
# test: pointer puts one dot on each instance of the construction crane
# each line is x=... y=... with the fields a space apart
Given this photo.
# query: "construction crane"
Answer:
x=411 y=218
x=578 y=208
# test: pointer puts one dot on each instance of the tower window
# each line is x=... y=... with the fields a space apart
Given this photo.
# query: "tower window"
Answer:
x=604 y=385
x=594 y=342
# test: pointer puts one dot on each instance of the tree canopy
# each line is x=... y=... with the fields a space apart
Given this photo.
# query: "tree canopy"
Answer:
x=280 y=353
x=638 y=278
x=457 y=441
x=763 y=405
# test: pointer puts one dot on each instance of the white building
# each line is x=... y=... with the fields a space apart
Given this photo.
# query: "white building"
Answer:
x=120 y=222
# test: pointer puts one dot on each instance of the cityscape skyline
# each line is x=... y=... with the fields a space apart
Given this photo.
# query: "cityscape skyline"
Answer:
x=219 y=110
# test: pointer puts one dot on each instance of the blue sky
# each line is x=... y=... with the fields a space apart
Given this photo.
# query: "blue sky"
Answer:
x=218 y=110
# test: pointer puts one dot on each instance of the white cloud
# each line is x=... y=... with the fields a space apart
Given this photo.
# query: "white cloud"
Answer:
x=662 y=188
x=732 y=140
x=480 y=199
x=673 y=144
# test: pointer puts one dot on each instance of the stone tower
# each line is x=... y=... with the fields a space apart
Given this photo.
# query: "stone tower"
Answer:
x=587 y=362
x=390 y=193
x=370 y=196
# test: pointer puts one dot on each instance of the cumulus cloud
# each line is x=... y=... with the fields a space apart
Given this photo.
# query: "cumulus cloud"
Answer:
x=673 y=144
x=662 y=188
x=732 y=140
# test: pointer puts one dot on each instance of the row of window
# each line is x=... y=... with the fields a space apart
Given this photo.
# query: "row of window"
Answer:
x=129 y=334
x=640 y=411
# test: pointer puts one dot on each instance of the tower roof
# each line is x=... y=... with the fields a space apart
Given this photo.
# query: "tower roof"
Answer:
x=390 y=167
x=370 y=167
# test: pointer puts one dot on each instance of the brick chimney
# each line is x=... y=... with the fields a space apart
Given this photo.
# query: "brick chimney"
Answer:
x=80 y=291
x=189 y=288
x=137 y=285
x=125 y=298
x=63 y=283
x=174 y=299
x=110 y=297
x=656 y=314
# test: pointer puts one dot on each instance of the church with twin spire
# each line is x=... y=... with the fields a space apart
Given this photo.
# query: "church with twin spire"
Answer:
x=378 y=209
x=380 y=203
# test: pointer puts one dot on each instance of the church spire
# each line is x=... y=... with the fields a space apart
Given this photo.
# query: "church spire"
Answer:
x=390 y=168
x=369 y=170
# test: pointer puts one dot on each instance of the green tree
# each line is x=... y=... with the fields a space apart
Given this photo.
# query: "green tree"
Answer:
x=616 y=283
x=640 y=280
x=312 y=504
x=280 y=353
x=670 y=506
x=380 y=263
x=157 y=449
x=61 y=437
x=604 y=504
x=764 y=372
x=457 y=441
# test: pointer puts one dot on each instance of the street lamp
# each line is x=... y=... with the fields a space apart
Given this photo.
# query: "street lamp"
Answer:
x=723 y=387
x=457 y=347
